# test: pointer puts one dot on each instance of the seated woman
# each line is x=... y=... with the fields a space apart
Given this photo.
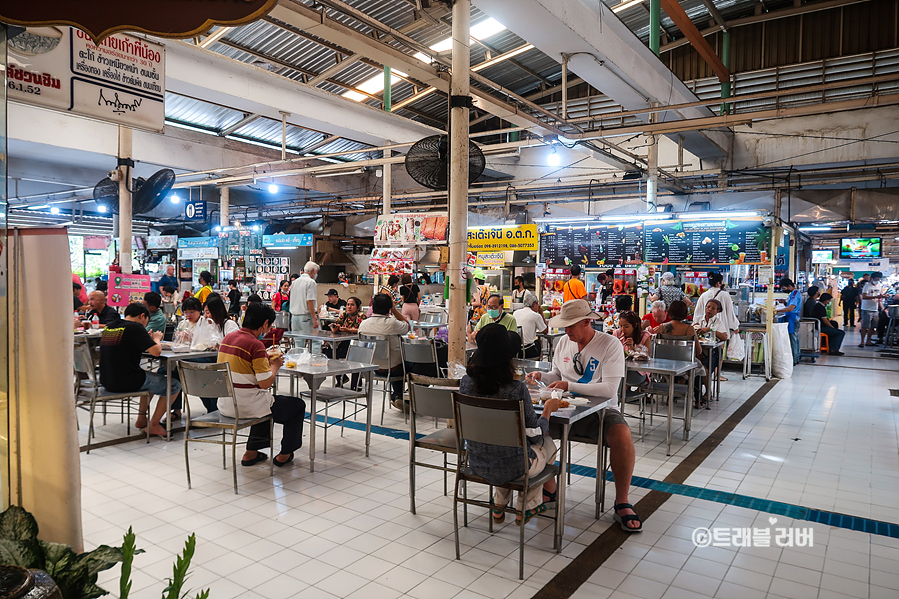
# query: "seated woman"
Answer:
x=711 y=322
x=631 y=334
x=679 y=330
x=348 y=322
x=491 y=374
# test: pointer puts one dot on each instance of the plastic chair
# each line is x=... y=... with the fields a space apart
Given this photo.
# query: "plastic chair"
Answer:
x=825 y=343
x=214 y=380
x=426 y=398
x=383 y=353
x=497 y=422
x=86 y=366
x=359 y=351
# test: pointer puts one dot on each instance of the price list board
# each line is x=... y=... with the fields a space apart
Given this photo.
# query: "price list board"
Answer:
x=720 y=241
x=242 y=242
x=592 y=245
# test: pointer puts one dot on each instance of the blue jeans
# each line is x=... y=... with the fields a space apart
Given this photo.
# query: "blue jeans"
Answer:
x=794 y=345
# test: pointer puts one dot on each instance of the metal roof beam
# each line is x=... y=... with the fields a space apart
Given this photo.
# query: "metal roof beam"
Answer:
x=677 y=14
x=241 y=123
x=334 y=69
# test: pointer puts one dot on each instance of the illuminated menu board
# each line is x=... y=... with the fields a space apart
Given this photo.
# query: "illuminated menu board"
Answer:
x=714 y=241
x=592 y=245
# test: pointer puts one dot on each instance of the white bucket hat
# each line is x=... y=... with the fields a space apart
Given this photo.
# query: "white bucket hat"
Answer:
x=573 y=312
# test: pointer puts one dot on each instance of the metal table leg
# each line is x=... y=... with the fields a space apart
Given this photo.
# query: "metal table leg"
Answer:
x=688 y=406
x=168 y=401
x=370 y=391
x=671 y=409
x=560 y=490
x=312 y=419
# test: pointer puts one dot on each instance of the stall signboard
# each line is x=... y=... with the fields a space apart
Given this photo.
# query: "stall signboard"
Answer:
x=239 y=241
x=714 y=241
x=198 y=242
x=594 y=245
x=392 y=261
x=199 y=253
x=412 y=229
x=490 y=260
x=162 y=242
x=505 y=238
x=121 y=80
x=195 y=210
x=126 y=289
x=96 y=242
x=879 y=265
x=287 y=241
x=270 y=271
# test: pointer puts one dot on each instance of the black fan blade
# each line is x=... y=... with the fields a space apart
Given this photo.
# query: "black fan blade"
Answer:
x=148 y=195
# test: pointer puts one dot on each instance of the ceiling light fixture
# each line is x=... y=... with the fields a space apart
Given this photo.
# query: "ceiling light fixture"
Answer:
x=272 y=188
x=175 y=199
x=54 y=210
x=625 y=5
x=703 y=214
x=101 y=208
x=634 y=217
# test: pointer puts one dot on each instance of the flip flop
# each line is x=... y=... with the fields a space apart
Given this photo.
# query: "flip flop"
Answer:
x=260 y=457
x=623 y=520
x=280 y=464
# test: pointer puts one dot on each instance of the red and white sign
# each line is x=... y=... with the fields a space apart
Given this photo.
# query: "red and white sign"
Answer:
x=126 y=289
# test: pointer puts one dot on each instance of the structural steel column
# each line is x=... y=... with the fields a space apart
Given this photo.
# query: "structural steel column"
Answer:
x=458 y=178
x=652 y=164
x=224 y=206
x=386 y=182
x=125 y=200
x=655 y=24
x=725 y=58
x=387 y=90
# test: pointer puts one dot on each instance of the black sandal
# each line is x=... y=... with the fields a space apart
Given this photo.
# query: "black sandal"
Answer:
x=549 y=498
x=260 y=457
x=623 y=520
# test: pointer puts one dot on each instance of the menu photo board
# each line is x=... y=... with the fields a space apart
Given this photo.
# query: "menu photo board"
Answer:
x=713 y=241
x=412 y=228
x=391 y=261
x=592 y=245
x=269 y=272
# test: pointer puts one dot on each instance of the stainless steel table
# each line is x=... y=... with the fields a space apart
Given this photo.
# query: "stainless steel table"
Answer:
x=321 y=336
x=670 y=369
x=427 y=327
x=169 y=359
x=549 y=338
x=313 y=375
x=714 y=385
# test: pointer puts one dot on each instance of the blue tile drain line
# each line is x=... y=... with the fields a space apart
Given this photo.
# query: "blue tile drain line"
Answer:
x=874 y=527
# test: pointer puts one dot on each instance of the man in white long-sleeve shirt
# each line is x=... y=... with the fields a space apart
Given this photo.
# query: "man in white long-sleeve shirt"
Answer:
x=591 y=363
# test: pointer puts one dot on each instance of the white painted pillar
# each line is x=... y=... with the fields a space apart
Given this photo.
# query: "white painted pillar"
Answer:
x=125 y=201
x=458 y=179
x=652 y=163
x=224 y=206
x=386 y=183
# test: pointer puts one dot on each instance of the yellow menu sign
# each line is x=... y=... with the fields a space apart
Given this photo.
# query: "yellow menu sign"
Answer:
x=502 y=238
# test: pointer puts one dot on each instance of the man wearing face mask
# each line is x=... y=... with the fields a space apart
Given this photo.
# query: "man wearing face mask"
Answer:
x=495 y=315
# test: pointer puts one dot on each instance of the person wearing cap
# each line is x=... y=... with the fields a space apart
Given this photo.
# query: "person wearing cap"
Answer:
x=479 y=294
x=574 y=288
x=495 y=315
x=669 y=292
x=490 y=373
x=334 y=303
x=590 y=363
x=530 y=320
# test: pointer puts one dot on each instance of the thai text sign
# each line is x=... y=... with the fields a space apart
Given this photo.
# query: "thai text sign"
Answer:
x=126 y=289
x=121 y=80
x=198 y=253
x=504 y=238
x=198 y=242
x=491 y=259
x=287 y=241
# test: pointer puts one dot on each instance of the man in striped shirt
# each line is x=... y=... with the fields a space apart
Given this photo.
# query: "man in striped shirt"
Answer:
x=253 y=374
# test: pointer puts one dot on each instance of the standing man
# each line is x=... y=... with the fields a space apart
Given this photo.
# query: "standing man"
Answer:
x=205 y=279
x=303 y=293
x=716 y=291
x=849 y=299
x=518 y=291
x=828 y=327
x=168 y=278
x=871 y=295
x=574 y=288
x=790 y=312
x=590 y=363
x=530 y=320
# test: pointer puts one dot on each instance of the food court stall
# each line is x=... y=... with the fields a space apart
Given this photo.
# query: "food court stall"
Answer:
x=196 y=254
x=494 y=250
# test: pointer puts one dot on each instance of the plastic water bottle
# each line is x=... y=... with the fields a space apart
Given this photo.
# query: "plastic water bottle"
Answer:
x=95 y=322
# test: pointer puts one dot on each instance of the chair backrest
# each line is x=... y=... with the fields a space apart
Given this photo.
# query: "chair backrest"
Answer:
x=431 y=401
x=84 y=360
x=432 y=317
x=674 y=349
x=532 y=365
x=206 y=380
x=382 y=345
x=169 y=308
x=418 y=351
x=493 y=421
x=361 y=351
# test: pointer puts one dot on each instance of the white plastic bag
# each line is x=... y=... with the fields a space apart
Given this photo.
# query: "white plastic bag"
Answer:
x=736 y=350
x=183 y=337
x=782 y=358
x=207 y=335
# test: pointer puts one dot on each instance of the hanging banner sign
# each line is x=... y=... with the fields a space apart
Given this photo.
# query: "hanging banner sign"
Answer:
x=287 y=241
x=162 y=242
x=126 y=289
x=120 y=81
x=503 y=238
x=96 y=242
x=198 y=254
x=198 y=242
x=412 y=229
x=491 y=259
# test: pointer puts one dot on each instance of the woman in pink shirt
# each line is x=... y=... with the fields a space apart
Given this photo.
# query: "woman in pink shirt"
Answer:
x=630 y=332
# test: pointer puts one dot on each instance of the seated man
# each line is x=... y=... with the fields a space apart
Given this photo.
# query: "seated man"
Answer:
x=122 y=346
x=387 y=320
x=828 y=327
x=530 y=319
x=153 y=302
x=590 y=363
x=253 y=374
x=76 y=297
x=107 y=315
x=495 y=314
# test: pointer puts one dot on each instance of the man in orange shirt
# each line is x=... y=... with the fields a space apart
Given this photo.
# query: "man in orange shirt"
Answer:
x=574 y=288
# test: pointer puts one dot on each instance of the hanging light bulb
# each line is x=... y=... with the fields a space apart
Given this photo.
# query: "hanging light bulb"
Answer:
x=553 y=159
x=175 y=199
x=101 y=208
x=54 y=210
x=272 y=188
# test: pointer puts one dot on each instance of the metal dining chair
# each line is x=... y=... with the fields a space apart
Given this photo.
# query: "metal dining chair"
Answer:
x=383 y=353
x=495 y=422
x=421 y=351
x=359 y=351
x=214 y=380
x=681 y=350
x=95 y=394
x=431 y=397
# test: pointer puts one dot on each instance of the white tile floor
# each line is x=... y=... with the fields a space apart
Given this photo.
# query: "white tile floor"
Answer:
x=346 y=531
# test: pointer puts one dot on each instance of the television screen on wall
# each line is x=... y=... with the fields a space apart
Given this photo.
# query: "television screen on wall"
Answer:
x=860 y=248
x=822 y=256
